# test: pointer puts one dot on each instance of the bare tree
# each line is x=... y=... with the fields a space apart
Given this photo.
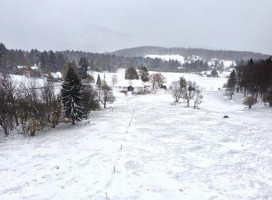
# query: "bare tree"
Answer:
x=105 y=95
x=176 y=91
x=36 y=113
x=157 y=79
x=191 y=90
x=52 y=103
x=6 y=117
x=114 y=79
x=178 y=88
x=198 y=99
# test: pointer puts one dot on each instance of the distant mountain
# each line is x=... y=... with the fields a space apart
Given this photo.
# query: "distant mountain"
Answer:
x=85 y=37
x=190 y=52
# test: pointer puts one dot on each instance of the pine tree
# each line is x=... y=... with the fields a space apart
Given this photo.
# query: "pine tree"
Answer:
x=71 y=96
x=83 y=67
x=34 y=57
x=131 y=73
x=52 y=62
x=214 y=73
x=231 y=84
x=98 y=82
x=143 y=72
x=3 y=58
x=44 y=61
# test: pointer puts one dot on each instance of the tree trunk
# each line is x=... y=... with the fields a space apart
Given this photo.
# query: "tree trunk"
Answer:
x=257 y=92
x=16 y=120
x=32 y=133
x=73 y=121
x=6 y=131
x=270 y=104
x=249 y=106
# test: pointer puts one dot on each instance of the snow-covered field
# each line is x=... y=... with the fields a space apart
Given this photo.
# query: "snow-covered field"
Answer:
x=146 y=147
x=206 y=83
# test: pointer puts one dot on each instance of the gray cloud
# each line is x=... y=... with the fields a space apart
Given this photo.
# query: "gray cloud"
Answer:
x=107 y=25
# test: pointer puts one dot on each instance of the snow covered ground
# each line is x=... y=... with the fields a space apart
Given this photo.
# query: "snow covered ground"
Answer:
x=146 y=147
x=206 y=83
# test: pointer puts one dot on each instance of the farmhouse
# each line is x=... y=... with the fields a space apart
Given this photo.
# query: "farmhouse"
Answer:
x=132 y=85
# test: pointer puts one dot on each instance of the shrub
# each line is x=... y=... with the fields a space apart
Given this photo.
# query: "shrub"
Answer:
x=249 y=101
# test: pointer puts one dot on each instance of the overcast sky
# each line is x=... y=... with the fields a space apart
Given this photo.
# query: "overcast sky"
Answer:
x=108 y=25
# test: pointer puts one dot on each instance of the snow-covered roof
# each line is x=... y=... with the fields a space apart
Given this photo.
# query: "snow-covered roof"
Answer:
x=56 y=74
x=133 y=83
x=22 y=67
x=34 y=67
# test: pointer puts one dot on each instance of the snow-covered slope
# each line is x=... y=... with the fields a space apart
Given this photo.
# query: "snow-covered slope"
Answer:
x=146 y=147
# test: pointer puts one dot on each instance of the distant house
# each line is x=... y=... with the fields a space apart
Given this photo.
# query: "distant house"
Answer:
x=132 y=85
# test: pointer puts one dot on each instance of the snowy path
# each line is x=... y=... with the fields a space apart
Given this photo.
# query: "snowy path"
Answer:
x=168 y=152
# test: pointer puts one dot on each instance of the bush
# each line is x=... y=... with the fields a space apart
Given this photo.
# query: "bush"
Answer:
x=214 y=73
x=249 y=101
x=267 y=98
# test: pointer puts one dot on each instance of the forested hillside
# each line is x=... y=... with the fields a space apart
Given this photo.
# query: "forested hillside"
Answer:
x=189 y=52
x=50 y=61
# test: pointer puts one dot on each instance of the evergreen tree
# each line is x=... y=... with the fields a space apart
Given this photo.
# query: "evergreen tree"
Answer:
x=83 y=67
x=98 y=82
x=3 y=58
x=131 y=73
x=231 y=84
x=214 y=73
x=61 y=60
x=34 y=57
x=52 y=61
x=144 y=74
x=71 y=96
x=43 y=61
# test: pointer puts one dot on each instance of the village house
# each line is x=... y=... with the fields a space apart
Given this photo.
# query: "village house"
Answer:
x=135 y=86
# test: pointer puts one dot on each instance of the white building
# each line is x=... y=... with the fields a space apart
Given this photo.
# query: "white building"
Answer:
x=132 y=85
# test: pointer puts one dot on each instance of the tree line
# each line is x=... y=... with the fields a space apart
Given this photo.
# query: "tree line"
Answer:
x=190 y=52
x=253 y=79
x=50 y=61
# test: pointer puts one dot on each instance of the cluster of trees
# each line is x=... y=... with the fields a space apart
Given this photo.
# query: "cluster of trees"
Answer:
x=254 y=80
x=156 y=79
x=111 y=62
x=187 y=91
x=49 y=61
x=29 y=108
x=197 y=65
x=131 y=74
